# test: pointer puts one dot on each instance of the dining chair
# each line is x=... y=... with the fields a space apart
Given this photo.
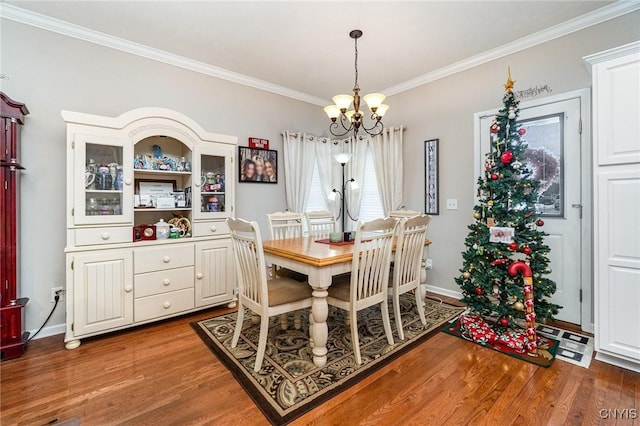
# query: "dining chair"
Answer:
x=282 y=295
x=284 y=225
x=368 y=285
x=407 y=262
x=399 y=214
x=321 y=223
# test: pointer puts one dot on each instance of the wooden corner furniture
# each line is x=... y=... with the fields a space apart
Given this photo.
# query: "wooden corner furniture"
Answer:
x=13 y=337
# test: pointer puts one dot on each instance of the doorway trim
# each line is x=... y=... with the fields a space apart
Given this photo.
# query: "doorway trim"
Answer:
x=586 y=226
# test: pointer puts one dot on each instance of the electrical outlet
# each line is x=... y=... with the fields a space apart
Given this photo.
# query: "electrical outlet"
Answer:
x=429 y=264
x=53 y=293
x=452 y=204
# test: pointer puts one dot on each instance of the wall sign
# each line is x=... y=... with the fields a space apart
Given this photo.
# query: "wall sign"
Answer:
x=431 y=196
x=259 y=143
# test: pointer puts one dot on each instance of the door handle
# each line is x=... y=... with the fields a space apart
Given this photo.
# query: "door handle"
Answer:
x=578 y=206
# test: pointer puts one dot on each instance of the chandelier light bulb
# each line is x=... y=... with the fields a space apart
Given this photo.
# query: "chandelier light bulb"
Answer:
x=374 y=100
x=332 y=111
x=350 y=114
x=343 y=101
x=382 y=109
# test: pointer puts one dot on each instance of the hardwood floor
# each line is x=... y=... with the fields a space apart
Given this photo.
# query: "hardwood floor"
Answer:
x=162 y=374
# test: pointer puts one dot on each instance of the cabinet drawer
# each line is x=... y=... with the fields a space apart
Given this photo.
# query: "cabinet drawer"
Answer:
x=207 y=229
x=146 y=308
x=151 y=259
x=94 y=236
x=163 y=281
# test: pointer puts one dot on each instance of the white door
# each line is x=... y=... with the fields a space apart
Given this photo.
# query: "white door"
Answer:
x=554 y=139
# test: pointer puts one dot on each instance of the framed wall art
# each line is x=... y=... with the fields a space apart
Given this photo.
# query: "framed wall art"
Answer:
x=257 y=165
x=431 y=196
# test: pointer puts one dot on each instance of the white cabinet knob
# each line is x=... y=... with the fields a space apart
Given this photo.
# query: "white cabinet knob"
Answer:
x=166 y=281
x=199 y=275
x=213 y=228
x=197 y=184
x=166 y=259
x=127 y=181
x=166 y=305
x=128 y=288
x=106 y=236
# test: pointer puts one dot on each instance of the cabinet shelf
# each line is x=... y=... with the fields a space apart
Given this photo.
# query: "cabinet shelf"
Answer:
x=211 y=193
x=154 y=209
x=104 y=191
x=160 y=172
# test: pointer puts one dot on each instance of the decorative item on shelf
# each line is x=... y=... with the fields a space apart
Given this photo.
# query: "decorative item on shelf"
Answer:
x=144 y=232
x=183 y=224
x=353 y=120
x=212 y=205
x=104 y=180
x=163 y=230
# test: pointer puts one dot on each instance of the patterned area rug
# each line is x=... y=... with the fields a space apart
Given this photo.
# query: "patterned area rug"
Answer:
x=288 y=385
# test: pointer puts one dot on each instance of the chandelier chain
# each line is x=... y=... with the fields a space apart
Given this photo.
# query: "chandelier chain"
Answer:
x=356 y=62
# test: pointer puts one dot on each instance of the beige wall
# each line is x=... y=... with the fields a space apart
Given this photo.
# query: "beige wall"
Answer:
x=444 y=109
x=50 y=72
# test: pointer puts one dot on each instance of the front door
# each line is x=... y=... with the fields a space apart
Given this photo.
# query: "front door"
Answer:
x=554 y=140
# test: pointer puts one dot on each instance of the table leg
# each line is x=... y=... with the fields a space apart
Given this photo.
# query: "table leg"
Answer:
x=319 y=329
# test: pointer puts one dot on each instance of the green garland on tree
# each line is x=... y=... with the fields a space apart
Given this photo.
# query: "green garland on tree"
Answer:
x=507 y=196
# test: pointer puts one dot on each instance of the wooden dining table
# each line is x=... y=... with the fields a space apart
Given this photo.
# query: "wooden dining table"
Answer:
x=320 y=262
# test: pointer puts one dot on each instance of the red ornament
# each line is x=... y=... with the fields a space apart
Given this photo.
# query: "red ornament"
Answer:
x=522 y=131
x=526 y=250
x=495 y=128
x=479 y=291
x=494 y=176
x=528 y=214
x=540 y=222
x=506 y=157
x=499 y=262
x=513 y=246
x=503 y=321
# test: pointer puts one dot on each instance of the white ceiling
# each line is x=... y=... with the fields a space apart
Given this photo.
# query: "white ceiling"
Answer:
x=305 y=47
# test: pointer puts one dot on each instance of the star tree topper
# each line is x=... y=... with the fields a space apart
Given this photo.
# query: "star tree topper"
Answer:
x=509 y=84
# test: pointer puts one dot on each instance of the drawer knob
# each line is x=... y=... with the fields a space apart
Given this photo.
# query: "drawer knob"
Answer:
x=166 y=259
x=166 y=281
x=128 y=288
x=213 y=228
x=166 y=305
x=196 y=184
x=106 y=236
x=199 y=275
x=127 y=181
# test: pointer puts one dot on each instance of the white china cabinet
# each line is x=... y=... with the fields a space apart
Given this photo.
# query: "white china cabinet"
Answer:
x=127 y=174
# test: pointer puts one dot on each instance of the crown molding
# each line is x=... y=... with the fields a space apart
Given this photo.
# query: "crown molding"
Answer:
x=595 y=17
x=44 y=22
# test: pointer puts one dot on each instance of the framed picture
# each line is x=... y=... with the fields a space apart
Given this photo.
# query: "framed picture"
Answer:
x=257 y=165
x=149 y=190
x=431 y=196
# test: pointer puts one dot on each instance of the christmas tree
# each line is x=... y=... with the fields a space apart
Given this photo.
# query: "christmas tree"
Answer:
x=506 y=228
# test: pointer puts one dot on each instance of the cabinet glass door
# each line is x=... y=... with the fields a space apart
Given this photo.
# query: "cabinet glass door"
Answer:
x=103 y=181
x=212 y=197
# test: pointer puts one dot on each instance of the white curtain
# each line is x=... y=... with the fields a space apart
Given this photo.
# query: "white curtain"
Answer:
x=298 y=169
x=325 y=149
x=387 y=155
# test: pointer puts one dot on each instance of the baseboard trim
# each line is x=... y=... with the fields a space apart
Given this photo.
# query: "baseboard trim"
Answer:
x=618 y=362
x=49 y=331
x=442 y=291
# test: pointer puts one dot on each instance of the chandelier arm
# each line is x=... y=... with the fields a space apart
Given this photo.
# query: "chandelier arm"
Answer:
x=334 y=125
x=372 y=130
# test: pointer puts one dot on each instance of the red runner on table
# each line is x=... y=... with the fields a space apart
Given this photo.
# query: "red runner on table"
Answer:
x=339 y=243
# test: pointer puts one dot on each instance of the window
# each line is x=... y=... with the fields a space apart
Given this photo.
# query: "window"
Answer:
x=371 y=203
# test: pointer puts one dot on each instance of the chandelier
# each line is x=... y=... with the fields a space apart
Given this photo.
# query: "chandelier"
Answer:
x=343 y=119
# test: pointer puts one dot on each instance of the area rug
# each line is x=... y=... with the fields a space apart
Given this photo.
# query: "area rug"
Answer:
x=574 y=348
x=288 y=385
x=547 y=347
